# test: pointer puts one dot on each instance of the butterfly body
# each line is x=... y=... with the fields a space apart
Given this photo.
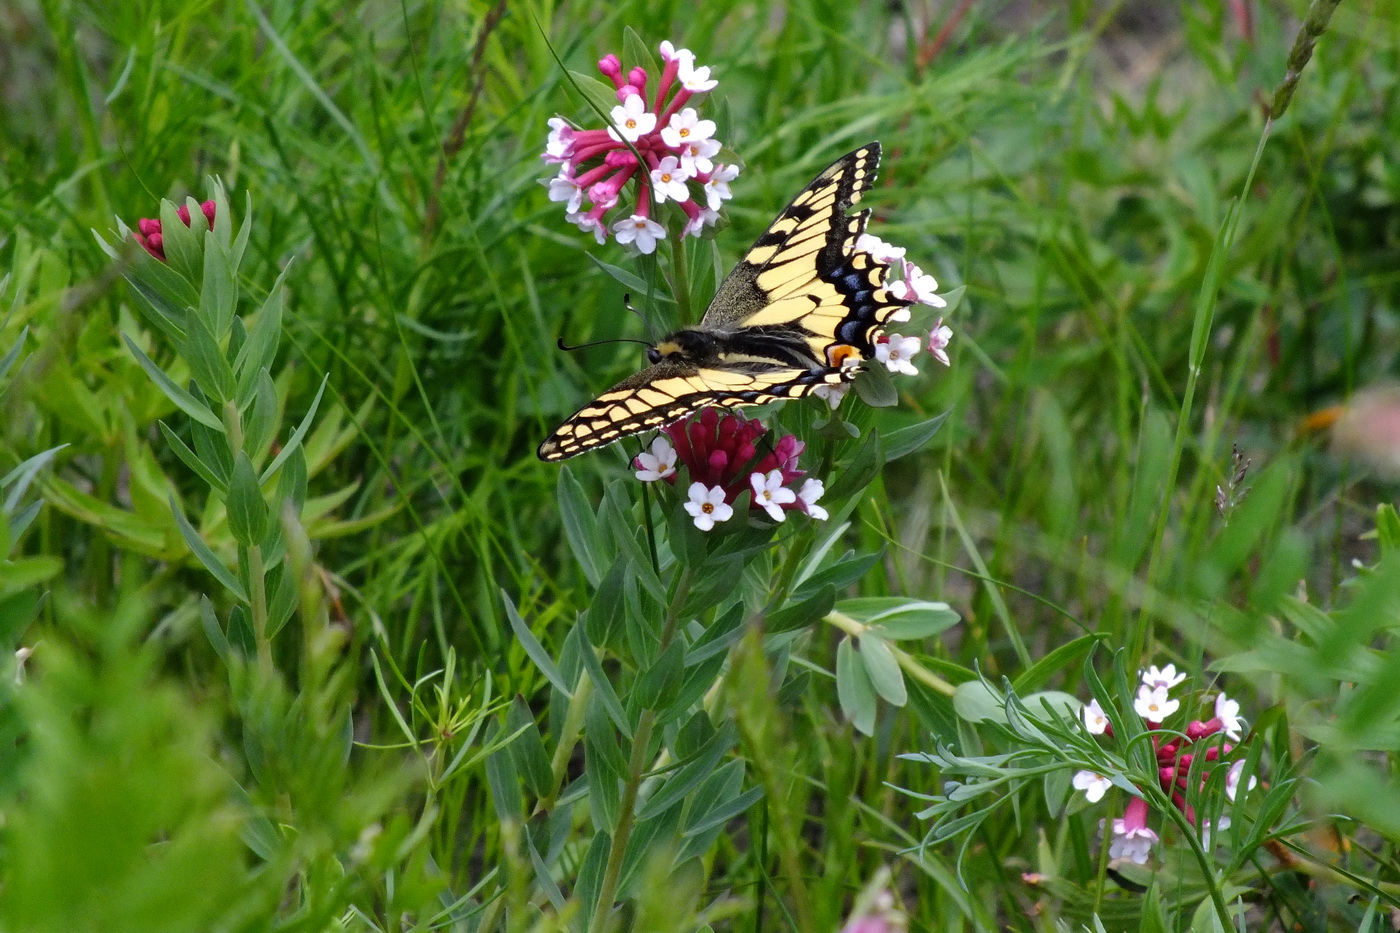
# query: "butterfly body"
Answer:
x=802 y=309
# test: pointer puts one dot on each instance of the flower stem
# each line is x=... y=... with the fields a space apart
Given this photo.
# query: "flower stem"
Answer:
x=680 y=277
x=636 y=765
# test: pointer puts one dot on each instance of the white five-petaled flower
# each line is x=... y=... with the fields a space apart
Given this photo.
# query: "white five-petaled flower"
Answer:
x=770 y=494
x=1228 y=712
x=833 y=394
x=631 y=121
x=670 y=52
x=686 y=128
x=1133 y=843
x=694 y=79
x=717 y=188
x=659 y=464
x=896 y=351
x=642 y=231
x=668 y=180
x=938 y=342
x=1162 y=677
x=1153 y=704
x=561 y=141
x=810 y=492
x=917 y=286
x=707 y=506
x=698 y=157
x=562 y=187
x=1094 y=719
x=589 y=224
x=695 y=225
x=1093 y=784
x=879 y=250
x=1232 y=780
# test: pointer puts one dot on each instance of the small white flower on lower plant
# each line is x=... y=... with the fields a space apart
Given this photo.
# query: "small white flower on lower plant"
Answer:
x=1092 y=784
x=811 y=491
x=659 y=464
x=1228 y=712
x=1154 y=705
x=1162 y=677
x=832 y=394
x=1232 y=780
x=1208 y=829
x=707 y=506
x=1094 y=719
x=896 y=351
x=641 y=231
x=938 y=342
x=1132 y=839
x=770 y=494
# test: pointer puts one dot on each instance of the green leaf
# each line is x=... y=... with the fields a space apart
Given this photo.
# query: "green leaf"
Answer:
x=1387 y=526
x=180 y=243
x=858 y=472
x=190 y=459
x=247 y=512
x=953 y=297
x=899 y=618
x=841 y=574
x=295 y=441
x=1054 y=663
x=586 y=540
x=218 y=298
x=659 y=684
x=210 y=622
x=907 y=440
x=240 y=632
x=533 y=648
x=875 y=387
x=205 y=555
x=531 y=758
x=291 y=485
x=13 y=354
x=802 y=613
x=854 y=689
x=635 y=284
x=690 y=775
x=600 y=97
x=182 y=399
x=883 y=669
x=602 y=687
x=259 y=352
x=261 y=423
x=504 y=781
x=1055 y=703
x=975 y=701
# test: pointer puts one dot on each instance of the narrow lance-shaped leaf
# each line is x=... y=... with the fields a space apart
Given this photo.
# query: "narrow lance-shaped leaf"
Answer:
x=182 y=399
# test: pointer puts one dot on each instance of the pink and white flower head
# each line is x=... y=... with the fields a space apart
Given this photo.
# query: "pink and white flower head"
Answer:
x=733 y=454
x=706 y=506
x=1185 y=761
x=938 y=339
x=654 y=144
x=1162 y=677
x=659 y=464
x=1132 y=840
x=895 y=351
x=1094 y=719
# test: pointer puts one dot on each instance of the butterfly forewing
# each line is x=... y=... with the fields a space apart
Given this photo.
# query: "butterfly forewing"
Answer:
x=802 y=294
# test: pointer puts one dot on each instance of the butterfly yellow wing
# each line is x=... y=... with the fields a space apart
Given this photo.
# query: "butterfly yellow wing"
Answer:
x=802 y=309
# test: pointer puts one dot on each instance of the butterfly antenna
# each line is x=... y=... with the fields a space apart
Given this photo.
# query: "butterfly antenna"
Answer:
x=597 y=343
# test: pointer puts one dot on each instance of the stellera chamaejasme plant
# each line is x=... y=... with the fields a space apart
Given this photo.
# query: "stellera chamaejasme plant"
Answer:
x=703 y=597
x=185 y=279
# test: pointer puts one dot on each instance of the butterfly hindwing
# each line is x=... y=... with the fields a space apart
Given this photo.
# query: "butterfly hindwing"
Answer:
x=802 y=309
